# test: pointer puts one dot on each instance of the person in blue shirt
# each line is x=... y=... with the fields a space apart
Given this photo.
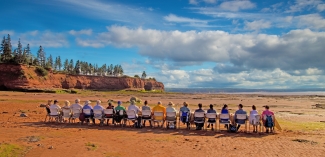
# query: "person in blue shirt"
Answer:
x=199 y=126
x=211 y=110
x=87 y=115
x=240 y=111
x=224 y=110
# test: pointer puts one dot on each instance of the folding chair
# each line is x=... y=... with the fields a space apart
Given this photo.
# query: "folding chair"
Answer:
x=108 y=112
x=120 y=113
x=48 y=111
x=157 y=118
x=146 y=115
x=55 y=114
x=171 y=118
x=131 y=116
x=181 y=121
x=199 y=115
x=66 y=114
x=87 y=112
x=242 y=117
x=75 y=115
x=255 y=123
x=212 y=116
x=224 y=119
x=98 y=114
x=264 y=121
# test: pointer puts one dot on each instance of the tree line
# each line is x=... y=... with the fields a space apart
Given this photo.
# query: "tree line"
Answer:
x=22 y=55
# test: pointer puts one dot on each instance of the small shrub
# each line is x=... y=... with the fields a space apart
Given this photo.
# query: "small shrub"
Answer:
x=41 y=71
x=91 y=146
x=10 y=150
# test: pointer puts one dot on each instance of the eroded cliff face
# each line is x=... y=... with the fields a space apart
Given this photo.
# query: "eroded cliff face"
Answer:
x=17 y=77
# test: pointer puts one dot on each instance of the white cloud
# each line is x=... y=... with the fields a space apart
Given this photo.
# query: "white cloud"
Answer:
x=313 y=71
x=301 y=5
x=6 y=32
x=257 y=25
x=259 y=51
x=45 y=38
x=321 y=7
x=89 y=43
x=81 y=32
x=179 y=19
x=236 y=5
x=193 y=2
x=314 y=21
x=210 y=1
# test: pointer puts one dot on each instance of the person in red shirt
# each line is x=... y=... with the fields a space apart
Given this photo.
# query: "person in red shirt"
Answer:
x=268 y=119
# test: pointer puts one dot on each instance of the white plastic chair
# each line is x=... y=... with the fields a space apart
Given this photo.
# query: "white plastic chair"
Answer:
x=75 y=114
x=255 y=122
x=146 y=115
x=211 y=116
x=199 y=115
x=131 y=116
x=66 y=114
x=242 y=117
x=54 y=113
x=169 y=116
x=155 y=120
x=108 y=112
x=98 y=114
x=226 y=120
x=180 y=119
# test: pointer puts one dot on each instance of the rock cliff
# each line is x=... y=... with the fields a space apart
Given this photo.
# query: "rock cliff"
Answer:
x=21 y=77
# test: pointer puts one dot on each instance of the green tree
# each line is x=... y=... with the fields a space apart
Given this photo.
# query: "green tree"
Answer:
x=66 y=65
x=78 y=67
x=27 y=55
x=49 y=63
x=136 y=76
x=6 y=55
x=144 y=75
x=41 y=57
x=19 y=54
x=70 y=68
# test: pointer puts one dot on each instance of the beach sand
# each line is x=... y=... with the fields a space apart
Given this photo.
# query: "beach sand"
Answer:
x=303 y=128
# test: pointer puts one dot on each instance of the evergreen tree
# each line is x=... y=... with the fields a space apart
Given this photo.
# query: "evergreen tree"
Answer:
x=19 y=53
x=78 y=67
x=3 y=43
x=49 y=63
x=6 y=55
x=120 y=70
x=59 y=63
x=71 y=66
x=144 y=75
x=27 y=54
x=110 y=69
x=41 y=57
x=66 y=65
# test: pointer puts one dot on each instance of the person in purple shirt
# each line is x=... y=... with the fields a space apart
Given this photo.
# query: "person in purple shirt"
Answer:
x=91 y=115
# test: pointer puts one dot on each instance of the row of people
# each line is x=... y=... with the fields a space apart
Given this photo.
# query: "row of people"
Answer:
x=185 y=110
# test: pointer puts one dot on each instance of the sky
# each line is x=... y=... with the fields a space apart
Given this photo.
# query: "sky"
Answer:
x=183 y=43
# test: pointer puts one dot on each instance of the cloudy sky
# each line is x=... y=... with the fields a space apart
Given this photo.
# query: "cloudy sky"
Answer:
x=182 y=43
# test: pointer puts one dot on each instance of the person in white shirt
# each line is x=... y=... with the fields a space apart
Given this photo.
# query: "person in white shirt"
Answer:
x=134 y=107
x=171 y=108
x=76 y=106
x=98 y=106
x=55 y=106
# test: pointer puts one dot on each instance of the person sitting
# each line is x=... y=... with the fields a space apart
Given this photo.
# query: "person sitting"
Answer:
x=211 y=110
x=98 y=106
x=76 y=106
x=199 y=126
x=135 y=108
x=110 y=106
x=159 y=108
x=55 y=106
x=91 y=114
x=171 y=108
x=240 y=111
x=66 y=105
x=146 y=107
x=252 y=118
x=268 y=119
x=119 y=108
x=224 y=110
x=185 y=114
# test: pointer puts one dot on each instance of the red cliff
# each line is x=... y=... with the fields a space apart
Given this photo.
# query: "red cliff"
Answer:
x=21 y=77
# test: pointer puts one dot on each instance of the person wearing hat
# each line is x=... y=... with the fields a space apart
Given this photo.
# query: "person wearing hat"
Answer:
x=88 y=106
x=119 y=106
x=118 y=118
x=171 y=108
x=76 y=105
x=159 y=108
x=134 y=107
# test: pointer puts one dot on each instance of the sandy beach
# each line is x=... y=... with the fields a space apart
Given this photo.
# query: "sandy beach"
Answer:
x=303 y=128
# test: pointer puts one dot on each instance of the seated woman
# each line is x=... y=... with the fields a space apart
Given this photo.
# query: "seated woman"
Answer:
x=66 y=110
x=211 y=110
x=91 y=115
x=171 y=108
x=145 y=107
x=252 y=118
x=224 y=110
x=110 y=106
x=185 y=114
x=199 y=126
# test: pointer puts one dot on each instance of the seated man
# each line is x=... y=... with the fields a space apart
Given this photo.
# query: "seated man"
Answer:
x=159 y=108
x=119 y=108
x=55 y=106
x=146 y=107
x=199 y=126
x=134 y=108
x=98 y=106
x=211 y=110
x=110 y=106
x=171 y=108
x=240 y=111
x=185 y=111
x=76 y=106
x=268 y=119
x=91 y=115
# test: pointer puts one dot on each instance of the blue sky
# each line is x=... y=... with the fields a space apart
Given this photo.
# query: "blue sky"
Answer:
x=182 y=43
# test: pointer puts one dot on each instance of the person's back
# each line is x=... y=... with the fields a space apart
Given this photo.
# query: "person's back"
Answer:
x=119 y=106
x=170 y=109
x=88 y=106
x=240 y=111
x=55 y=105
x=159 y=108
x=211 y=120
x=76 y=106
x=145 y=108
x=268 y=119
x=134 y=107
x=199 y=125
x=98 y=107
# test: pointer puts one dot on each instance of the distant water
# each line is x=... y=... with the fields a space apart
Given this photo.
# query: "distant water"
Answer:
x=319 y=91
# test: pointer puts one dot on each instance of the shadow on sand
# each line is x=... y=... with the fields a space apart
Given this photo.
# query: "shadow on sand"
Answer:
x=182 y=131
